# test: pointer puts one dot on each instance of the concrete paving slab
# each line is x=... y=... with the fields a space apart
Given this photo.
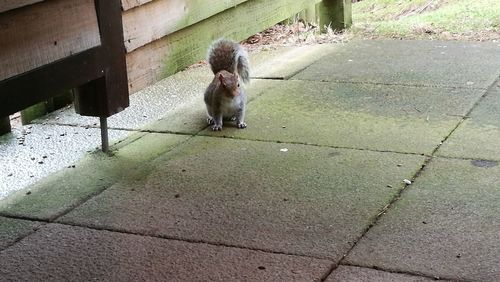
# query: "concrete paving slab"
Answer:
x=479 y=135
x=191 y=117
x=11 y=230
x=430 y=63
x=33 y=152
x=63 y=253
x=365 y=116
x=61 y=191
x=284 y=62
x=285 y=198
x=446 y=224
x=361 y=274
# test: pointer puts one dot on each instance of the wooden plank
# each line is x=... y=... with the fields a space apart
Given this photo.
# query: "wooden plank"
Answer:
x=6 y=5
x=44 y=33
x=129 y=4
x=174 y=52
x=155 y=20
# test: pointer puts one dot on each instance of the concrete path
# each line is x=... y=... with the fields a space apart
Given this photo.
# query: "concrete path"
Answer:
x=366 y=161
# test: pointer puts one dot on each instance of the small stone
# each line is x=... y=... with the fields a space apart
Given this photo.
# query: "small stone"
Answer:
x=10 y=174
x=459 y=255
x=62 y=134
x=283 y=126
x=284 y=150
x=285 y=200
x=424 y=222
x=40 y=162
x=32 y=159
x=44 y=157
x=406 y=181
x=28 y=193
x=177 y=196
x=183 y=170
x=261 y=267
x=389 y=186
x=400 y=164
x=470 y=83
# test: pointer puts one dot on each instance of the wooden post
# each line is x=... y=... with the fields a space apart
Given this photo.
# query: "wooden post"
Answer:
x=4 y=125
x=336 y=14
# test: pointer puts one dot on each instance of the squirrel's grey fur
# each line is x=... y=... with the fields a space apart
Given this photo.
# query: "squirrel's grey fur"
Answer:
x=225 y=97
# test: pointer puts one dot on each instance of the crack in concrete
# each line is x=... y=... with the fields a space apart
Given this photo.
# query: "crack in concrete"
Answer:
x=415 y=274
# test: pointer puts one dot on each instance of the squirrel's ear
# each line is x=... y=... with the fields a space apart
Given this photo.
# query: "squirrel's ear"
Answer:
x=221 y=78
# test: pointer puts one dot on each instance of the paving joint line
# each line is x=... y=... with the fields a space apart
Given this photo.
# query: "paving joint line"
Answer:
x=416 y=175
x=163 y=237
x=33 y=230
x=415 y=274
x=392 y=84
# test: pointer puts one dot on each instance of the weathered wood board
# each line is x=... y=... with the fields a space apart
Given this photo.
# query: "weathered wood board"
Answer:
x=175 y=51
x=7 y=5
x=45 y=32
x=129 y=4
x=162 y=17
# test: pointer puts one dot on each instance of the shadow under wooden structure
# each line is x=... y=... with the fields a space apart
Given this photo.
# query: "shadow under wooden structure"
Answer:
x=49 y=46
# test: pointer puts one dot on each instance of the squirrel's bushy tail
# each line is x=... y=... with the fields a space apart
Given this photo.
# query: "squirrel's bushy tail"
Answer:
x=230 y=56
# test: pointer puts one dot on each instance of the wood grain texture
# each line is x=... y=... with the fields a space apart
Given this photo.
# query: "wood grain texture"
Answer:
x=46 y=32
x=180 y=49
x=157 y=19
x=6 y=5
x=129 y=4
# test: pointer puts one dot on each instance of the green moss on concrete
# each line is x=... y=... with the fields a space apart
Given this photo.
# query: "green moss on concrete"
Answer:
x=66 y=189
x=365 y=116
x=309 y=200
x=12 y=230
x=445 y=225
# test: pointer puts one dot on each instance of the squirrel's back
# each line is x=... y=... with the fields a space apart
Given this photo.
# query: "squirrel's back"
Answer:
x=230 y=56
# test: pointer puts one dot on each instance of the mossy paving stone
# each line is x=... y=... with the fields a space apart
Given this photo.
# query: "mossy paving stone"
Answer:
x=410 y=62
x=304 y=200
x=446 y=225
x=12 y=230
x=66 y=253
x=364 y=116
x=478 y=136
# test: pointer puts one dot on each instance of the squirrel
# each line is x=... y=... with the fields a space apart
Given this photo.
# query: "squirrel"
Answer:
x=225 y=97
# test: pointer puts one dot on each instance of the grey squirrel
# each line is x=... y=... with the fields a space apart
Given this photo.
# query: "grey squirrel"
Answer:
x=225 y=97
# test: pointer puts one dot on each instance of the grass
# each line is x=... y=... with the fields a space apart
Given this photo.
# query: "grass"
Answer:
x=430 y=19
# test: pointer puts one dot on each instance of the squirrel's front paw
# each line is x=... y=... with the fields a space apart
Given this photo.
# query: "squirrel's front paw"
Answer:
x=241 y=125
x=216 y=128
x=210 y=120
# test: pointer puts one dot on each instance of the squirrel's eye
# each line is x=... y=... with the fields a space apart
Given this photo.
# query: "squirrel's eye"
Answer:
x=238 y=85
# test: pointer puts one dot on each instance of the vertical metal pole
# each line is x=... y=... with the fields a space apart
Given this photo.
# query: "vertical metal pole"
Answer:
x=104 y=134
